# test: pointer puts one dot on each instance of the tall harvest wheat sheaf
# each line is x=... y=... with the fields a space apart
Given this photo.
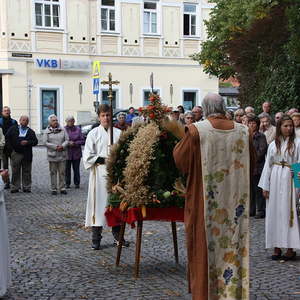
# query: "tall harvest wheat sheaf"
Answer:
x=141 y=150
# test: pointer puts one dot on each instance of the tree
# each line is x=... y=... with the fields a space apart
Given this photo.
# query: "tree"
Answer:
x=256 y=41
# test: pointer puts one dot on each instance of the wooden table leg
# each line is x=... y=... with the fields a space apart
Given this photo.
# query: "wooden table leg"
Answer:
x=138 y=246
x=120 y=244
x=174 y=232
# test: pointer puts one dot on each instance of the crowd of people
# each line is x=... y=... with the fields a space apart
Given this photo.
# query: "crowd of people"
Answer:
x=274 y=145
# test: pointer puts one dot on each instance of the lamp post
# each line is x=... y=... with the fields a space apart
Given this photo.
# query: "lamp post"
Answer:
x=171 y=92
x=130 y=92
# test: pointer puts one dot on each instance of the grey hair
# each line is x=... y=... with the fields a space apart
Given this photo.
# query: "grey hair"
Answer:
x=51 y=117
x=239 y=111
x=188 y=113
x=264 y=115
x=24 y=116
x=120 y=114
x=249 y=108
x=69 y=118
x=213 y=104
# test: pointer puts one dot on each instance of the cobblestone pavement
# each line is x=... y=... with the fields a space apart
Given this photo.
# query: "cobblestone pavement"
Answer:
x=52 y=258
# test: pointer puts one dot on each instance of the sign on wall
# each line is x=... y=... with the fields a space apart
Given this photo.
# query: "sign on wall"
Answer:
x=62 y=64
x=96 y=77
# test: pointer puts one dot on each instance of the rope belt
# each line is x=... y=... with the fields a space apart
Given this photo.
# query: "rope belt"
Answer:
x=285 y=164
x=282 y=164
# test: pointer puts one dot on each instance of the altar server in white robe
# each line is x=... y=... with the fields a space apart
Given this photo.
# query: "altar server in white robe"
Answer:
x=95 y=153
x=4 y=249
x=282 y=224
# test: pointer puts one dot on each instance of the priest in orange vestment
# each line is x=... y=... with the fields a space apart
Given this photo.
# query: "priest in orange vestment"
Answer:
x=215 y=155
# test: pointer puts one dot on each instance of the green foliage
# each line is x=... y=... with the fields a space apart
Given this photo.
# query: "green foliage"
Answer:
x=163 y=172
x=257 y=41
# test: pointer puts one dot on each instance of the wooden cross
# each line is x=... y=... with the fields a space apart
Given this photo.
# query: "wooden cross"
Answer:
x=110 y=84
x=283 y=163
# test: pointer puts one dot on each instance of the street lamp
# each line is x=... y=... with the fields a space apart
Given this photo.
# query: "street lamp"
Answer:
x=171 y=92
x=130 y=92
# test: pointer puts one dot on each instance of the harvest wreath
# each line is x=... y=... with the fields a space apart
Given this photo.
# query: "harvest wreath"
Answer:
x=141 y=168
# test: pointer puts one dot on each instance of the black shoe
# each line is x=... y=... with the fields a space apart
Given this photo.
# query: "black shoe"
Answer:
x=77 y=186
x=54 y=192
x=96 y=244
x=68 y=186
x=260 y=216
x=26 y=190
x=7 y=186
x=14 y=191
x=290 y=257
x=276 y=256
x=64 y=192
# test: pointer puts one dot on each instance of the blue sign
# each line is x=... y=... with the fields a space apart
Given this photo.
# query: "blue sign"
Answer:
x=47 y=63
x=96 y=86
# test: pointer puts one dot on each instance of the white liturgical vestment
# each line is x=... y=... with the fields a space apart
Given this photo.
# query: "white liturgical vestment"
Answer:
x=278 y=181
x=97 y=145
x=4 y=250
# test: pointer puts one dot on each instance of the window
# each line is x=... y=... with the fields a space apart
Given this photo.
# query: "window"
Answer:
x=105 y=99
x=48 y=13
x=108 y=15
x=146 y=96
x=189 y=19
x=150 y=17
x=49 y=105
x=189 y=100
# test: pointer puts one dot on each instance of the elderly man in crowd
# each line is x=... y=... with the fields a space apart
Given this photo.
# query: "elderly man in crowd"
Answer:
x=296 y=121
x=76 y=140
x=249 y=109
x=20 y=140
x=266 y=127
x=216 y=208
x=56 y=140
x=198 y=113
x=5 y=123
x=278 y=116
x=121 y=124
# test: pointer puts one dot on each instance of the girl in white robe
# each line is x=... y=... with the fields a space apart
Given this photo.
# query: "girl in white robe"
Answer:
x=4 y=250
x=278 y=188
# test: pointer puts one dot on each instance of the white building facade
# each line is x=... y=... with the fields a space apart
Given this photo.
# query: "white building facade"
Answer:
x=47 y=48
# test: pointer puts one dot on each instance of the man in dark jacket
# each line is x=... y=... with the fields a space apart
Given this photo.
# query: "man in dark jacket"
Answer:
x=261 y=146
x=20 y=140
x=6 y=122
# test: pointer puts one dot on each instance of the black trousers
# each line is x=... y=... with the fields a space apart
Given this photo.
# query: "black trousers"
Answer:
x=258 y=202
x=76 y=170
x=97 y=233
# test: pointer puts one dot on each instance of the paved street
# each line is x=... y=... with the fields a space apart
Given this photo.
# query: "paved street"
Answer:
x=52 y=258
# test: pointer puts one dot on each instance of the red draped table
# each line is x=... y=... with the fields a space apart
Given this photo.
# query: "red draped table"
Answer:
x=116 y=217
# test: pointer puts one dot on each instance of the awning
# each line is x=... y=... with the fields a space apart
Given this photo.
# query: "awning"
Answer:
x=7 y=71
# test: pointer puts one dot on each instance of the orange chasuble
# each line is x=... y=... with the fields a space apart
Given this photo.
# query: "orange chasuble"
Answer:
x=187 y=156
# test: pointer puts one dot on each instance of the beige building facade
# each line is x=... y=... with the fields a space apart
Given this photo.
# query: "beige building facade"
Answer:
x=47 y=48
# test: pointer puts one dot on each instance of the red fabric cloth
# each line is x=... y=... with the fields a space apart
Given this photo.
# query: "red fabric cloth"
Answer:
x=115 y=216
